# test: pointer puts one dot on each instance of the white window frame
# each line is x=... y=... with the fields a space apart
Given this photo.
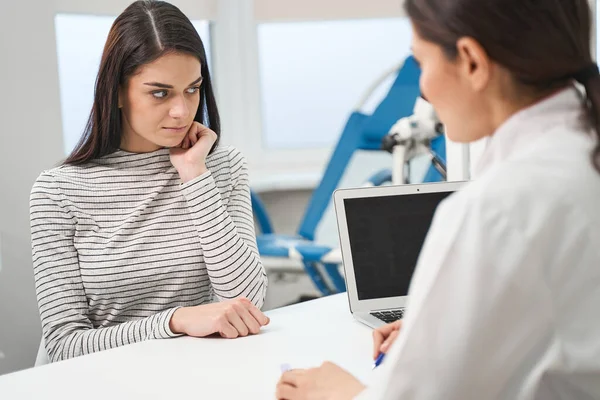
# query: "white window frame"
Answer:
x=236 y=51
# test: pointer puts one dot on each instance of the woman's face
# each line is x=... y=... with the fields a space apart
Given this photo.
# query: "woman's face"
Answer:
x=159 y=102
x=455 y=88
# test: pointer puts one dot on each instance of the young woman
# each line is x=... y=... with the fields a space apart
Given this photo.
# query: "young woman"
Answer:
x=148 y=221
x=505 y=298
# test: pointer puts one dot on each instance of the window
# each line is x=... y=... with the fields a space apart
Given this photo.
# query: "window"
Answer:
x=80 y=40
x=312 y=75
x=288 y=73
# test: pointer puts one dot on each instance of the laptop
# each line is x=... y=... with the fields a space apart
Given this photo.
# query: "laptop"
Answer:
x=382 y=230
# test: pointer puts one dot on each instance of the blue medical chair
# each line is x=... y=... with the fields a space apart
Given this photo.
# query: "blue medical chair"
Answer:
x=361 y=132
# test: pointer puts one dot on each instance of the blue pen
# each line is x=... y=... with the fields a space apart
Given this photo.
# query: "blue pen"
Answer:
x=378 y=360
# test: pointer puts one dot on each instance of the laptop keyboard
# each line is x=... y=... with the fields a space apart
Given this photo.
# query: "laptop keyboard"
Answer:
x=389 y=316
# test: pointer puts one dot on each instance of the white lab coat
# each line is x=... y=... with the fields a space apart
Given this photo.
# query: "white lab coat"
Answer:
x=505 y=301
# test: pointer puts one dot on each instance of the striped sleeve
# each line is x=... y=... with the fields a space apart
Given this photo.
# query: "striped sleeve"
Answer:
x=227 y=234
x=62 y=302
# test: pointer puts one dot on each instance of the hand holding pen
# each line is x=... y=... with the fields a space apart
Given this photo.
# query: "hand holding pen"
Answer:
x=383 y=338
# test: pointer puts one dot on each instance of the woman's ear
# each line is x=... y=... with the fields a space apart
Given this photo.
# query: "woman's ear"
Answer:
x=475 y=63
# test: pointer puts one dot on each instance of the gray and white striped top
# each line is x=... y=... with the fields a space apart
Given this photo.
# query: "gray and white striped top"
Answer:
x=119 y=244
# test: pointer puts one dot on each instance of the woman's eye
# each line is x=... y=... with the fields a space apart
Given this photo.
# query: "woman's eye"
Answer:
x=193 y=90
x=160 y=94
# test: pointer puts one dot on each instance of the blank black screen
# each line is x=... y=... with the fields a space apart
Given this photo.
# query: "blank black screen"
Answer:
x=386 y=237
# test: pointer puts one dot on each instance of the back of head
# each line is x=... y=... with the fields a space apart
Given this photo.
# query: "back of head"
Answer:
x=145 y=31
x=545 y=44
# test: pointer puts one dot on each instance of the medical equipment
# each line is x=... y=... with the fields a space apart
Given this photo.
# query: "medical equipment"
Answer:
x=411 y=136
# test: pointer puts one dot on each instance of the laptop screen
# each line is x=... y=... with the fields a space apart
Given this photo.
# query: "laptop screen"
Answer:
x=386 y=235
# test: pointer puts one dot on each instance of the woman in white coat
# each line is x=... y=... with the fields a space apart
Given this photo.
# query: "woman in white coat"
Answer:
x=505 y=300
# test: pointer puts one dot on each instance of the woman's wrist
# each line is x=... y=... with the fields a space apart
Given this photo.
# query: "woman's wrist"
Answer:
x=175 y=324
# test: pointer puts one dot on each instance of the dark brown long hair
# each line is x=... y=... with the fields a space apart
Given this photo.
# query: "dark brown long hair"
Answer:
x=544 y=43
x=145 y=31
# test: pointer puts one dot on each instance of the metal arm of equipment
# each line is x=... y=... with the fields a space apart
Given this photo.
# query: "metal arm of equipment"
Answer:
x=411 y=136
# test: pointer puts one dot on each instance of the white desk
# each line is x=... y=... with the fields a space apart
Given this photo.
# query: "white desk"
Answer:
x=303 y=335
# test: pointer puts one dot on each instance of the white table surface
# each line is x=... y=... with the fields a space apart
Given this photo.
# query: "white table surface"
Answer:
x=303 y=335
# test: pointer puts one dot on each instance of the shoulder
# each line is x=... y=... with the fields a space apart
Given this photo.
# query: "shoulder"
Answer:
x=59 y=183
x=225 y=153
x=228 y=160
x=528 y=194
x=61 y=175
x=46 y=182
x=45 y=191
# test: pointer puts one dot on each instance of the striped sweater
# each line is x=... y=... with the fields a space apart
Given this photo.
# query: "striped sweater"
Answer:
x=120 y=243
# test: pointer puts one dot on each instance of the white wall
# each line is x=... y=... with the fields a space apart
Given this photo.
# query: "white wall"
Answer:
x=30 y=141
